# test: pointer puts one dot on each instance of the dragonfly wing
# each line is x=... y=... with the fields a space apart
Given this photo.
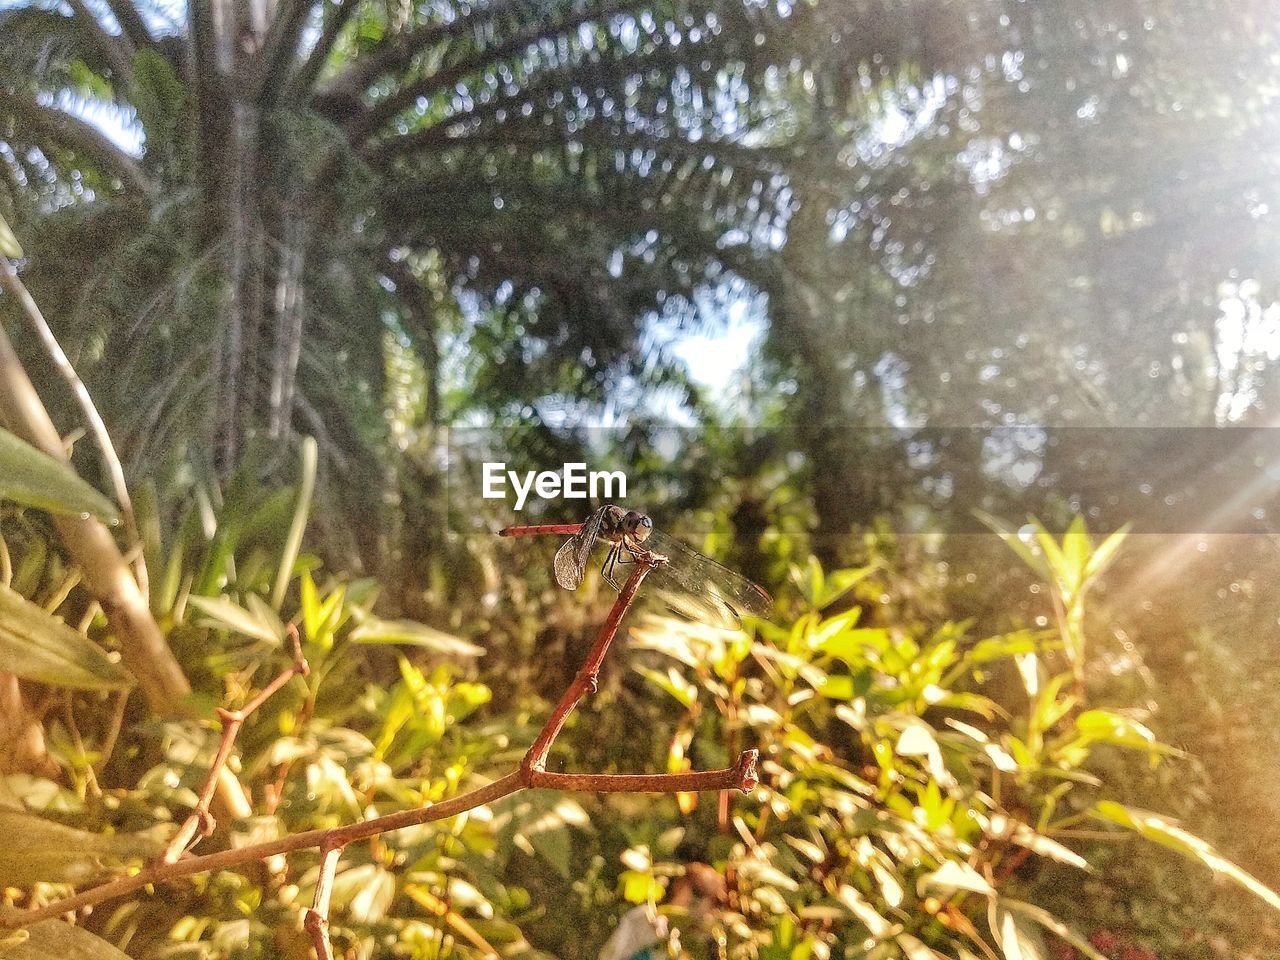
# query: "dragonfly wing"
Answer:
x=705 y=579
x=575 y=553
x=569 y=572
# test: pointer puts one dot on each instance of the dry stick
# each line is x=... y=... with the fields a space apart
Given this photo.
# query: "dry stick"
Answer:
x=742 y=775
x=585 y=680
x=317 y=918
x=232 y=720
x=17 y=289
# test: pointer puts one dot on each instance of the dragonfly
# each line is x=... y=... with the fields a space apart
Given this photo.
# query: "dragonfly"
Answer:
x=631 y=534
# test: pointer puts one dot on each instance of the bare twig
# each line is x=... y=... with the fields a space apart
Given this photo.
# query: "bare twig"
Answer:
x=317 y=917
x=531 y=775
x=232 y=720
x=585 y=681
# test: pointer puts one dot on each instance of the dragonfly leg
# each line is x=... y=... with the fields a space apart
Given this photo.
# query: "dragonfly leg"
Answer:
x=609 y=563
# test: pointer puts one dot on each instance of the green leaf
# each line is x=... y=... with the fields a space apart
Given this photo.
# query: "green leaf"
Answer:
x=851 y=646
x=1105 y=552
x=1166 y=833
x=58 y=940
x=376 y=630
x=541 y=824
x=34 y=479
x=37 y=850
x=38 y=646
x=9 y=245
x=1010 y=536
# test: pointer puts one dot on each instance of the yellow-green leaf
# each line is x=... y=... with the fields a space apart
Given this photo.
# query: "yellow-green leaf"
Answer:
x=376 y=630
x=225 y=614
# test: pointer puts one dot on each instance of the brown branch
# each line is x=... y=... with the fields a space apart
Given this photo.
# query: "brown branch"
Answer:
x=531 y=775
x=232 y=720
x=585 y=681
x=317 y=917
x=279 y=50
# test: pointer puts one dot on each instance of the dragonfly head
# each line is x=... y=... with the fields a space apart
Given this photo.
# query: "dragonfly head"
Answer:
x=637 y=526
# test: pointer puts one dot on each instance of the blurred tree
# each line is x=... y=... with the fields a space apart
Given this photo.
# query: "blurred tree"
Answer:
x=301 y=187
x=1074 y=229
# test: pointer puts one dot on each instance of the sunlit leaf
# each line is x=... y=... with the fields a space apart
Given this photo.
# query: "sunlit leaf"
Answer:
x=1105 y=726
x=867 y=915
x=1053 y=925
x=1106 y=552
x=954 y=875
x=918 y=740
x=639 y=887
x=38 y=646
x=1011 y=536
x=913 y=949
x=1016 y=941
x=373 y=630
x=34 y=479
x=1165 y=832
x=674 y=683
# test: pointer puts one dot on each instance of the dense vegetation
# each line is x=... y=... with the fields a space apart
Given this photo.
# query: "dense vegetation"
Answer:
x=305 y=253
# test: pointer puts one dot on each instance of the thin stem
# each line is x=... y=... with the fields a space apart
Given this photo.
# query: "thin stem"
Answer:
x=741 y=776
x=317 y=918
x=232 y=720
x=585 y=681
x=18 y=290
x=113 y=730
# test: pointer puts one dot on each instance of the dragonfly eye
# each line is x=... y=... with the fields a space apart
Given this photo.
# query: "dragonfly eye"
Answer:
x=639 y=526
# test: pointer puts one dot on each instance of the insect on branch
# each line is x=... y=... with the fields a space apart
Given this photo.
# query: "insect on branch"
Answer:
x=530 y=775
